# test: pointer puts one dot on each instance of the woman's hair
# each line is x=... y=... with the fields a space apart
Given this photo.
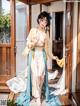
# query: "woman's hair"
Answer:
x=43 y=15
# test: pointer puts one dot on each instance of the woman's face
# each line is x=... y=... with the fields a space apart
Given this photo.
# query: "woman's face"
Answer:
x=43 y=22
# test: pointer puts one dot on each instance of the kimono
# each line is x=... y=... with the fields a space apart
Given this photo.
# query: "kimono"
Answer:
x=37 y=65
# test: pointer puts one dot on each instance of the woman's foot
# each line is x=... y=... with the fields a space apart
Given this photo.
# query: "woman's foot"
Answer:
x=33 y=99
x=38 y=101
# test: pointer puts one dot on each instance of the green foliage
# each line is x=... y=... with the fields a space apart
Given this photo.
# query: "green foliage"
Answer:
x=11 y=103
x=4 y=23
x=4 y=28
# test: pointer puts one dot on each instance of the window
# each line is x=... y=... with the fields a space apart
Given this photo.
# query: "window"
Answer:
x=4 y=21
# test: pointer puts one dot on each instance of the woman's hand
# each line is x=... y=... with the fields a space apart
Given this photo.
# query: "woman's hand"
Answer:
x=55 y=58
x=32 y=43
x=26 y=51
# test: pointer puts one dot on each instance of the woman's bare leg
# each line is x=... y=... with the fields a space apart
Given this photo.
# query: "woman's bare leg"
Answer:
x=40 y=81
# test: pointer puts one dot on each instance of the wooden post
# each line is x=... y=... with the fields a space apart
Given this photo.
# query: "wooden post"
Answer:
x=40 y=7
x=78 y=53
x=69 y=39
x=29 y=18
x=13 y=38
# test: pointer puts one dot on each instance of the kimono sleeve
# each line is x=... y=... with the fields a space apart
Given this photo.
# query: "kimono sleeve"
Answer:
x=29 y=38
x=48 y=48
x=28 y=44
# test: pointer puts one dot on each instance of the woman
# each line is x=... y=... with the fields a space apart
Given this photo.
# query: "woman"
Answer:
x=37 y=51
x=37 y=41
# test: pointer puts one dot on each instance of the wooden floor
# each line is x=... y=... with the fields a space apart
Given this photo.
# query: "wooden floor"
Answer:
x=66 y=100
x=76 y=98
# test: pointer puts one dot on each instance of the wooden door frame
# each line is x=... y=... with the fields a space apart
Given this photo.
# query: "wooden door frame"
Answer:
x=29 y=14
x=4 y=78
x=69 y=45
x=78 y=51
x=13 y=37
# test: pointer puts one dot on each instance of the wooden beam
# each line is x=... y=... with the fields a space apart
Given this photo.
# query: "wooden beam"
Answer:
x=37 y=1
x=47 y=4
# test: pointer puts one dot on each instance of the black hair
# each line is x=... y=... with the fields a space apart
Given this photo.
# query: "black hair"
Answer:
x=43 y=15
